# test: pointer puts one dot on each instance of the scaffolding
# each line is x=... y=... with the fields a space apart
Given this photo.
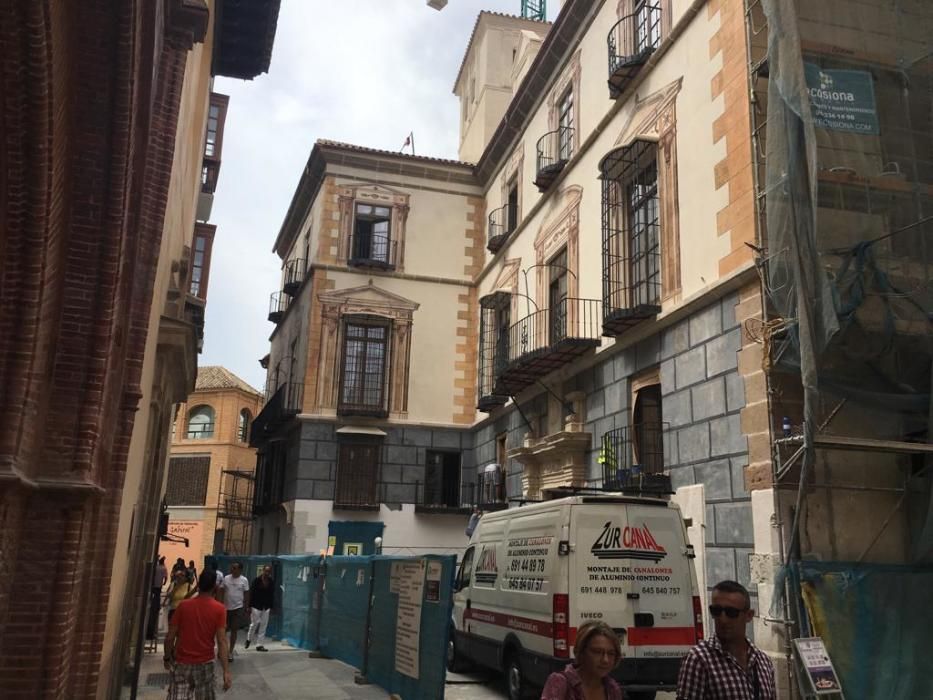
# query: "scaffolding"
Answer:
x=233 y=534
x=842 y=142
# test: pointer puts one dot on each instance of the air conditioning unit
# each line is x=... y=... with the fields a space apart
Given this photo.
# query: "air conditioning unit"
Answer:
x=437 y=4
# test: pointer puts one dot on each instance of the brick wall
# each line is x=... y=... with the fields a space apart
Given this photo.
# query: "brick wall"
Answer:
x=87 y=149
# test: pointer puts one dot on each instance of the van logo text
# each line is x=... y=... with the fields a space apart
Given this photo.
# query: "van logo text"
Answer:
x=627 y=543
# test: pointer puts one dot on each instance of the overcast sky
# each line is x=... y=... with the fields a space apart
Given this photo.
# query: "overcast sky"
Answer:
x=366 y=72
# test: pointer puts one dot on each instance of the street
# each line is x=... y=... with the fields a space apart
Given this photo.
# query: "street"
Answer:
x=286 y=673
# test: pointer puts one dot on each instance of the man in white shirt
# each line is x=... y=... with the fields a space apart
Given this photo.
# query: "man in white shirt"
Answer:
x=235 y=597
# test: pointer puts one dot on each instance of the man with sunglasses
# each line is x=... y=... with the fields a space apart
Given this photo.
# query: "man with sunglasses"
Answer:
x=727 y=666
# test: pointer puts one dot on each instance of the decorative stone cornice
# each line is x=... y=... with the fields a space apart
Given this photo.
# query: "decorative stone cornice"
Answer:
x=186 y=22
x=553 y=461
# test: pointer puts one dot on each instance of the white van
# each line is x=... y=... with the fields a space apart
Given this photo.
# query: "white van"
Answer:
x=532 y=575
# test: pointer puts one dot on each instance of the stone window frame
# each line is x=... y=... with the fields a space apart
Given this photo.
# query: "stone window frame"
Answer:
x=513 y=171
x=568 y=80
x=644 y=379
x=244 y=421
x=398 y=313
x=373 y=194
x=557 y=233
x=655 y=119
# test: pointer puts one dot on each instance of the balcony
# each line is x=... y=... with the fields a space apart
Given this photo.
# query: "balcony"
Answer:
x=278 y=304
x=438 y=498
x=372 y=251
x=633 y=459
x=545 y=341
x=631 y=284
x=554 y=149
x=631 y=42
x=502 y=222
x=295 y=272
x=283 y=404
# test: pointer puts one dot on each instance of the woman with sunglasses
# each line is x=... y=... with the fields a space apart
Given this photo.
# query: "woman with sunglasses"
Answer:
x=596 y=652
x=727 y=666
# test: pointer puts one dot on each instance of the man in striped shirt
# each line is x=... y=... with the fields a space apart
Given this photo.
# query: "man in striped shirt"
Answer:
x=728 y=666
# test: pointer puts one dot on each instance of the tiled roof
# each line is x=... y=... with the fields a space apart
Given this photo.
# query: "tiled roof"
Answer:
x=379 y=151
x=216 y=377
x=479 y=17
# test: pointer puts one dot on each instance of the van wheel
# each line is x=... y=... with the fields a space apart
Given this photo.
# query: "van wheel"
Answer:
x=455 y=661
x=515 y=679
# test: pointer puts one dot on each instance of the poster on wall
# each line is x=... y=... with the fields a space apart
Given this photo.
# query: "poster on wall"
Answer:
x=408 y=620
x=352 y=549
x=842 y=100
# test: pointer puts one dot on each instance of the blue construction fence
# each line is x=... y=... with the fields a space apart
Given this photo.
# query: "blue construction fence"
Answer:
x=387 y=616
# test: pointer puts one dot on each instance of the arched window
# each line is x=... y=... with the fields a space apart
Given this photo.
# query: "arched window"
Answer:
x=243 y=426
x=200 y=423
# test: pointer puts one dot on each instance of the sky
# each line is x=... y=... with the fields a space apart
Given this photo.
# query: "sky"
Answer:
x=366 y=72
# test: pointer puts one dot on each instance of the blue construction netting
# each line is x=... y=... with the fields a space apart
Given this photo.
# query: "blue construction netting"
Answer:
x=345 y=604
x=876 y=621
x=300 y=579
x=329 y=604
x=436 y=607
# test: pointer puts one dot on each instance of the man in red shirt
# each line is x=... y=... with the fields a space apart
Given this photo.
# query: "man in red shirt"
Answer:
x=189 y=645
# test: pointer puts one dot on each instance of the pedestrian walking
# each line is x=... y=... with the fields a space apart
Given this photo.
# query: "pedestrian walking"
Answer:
x=198 y=623
x=727 y=666
x=261 y=600
x=192 y=573
x=159 y=577
x=596 y=652
x=179 y=590
x=235 y=594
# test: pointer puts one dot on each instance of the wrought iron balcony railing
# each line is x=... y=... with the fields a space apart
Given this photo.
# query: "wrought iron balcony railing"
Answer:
x=547 y=340
x=502 y=222
x=295 y=273
x=284 y=403
x=372 y=250
x=278 y=304
x=630 y=42
x=437 y=497
x=633 y=458
x=554 y=149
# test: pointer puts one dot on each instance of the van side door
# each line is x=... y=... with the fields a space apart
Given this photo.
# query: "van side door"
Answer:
x=462 y=601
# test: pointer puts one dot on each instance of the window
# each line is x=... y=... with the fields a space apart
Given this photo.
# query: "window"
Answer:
x=442 y=479
x=503 y=324
x=631 y=234
x=200 y=423
x=557 y=293
x=642 y=203
x=357 y=471
x=216 y=116
x=371 y=235
x=201 y=260
x=363 y=381
x=565 y=126
x=245 y=421
x=512 y=212
x=187 y=481
x=647 y=25
x=210 y=143
x=648 y=430
x=466 y=569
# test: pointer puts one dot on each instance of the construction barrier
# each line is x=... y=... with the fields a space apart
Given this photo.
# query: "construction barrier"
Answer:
x=876 y=621
x=387 y=616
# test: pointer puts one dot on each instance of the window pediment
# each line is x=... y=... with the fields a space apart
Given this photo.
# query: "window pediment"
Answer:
x=368 y=299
